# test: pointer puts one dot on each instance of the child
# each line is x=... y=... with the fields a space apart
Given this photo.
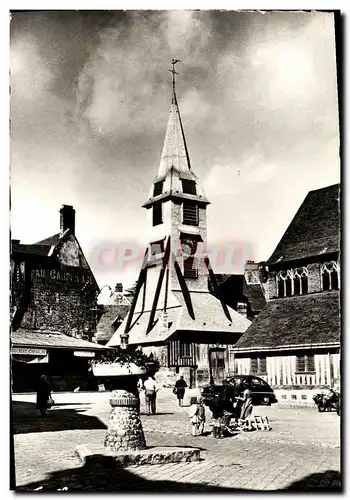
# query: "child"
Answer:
x=193 y=414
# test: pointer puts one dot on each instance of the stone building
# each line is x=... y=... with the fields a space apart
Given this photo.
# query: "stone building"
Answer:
x=53 y=307
x=294 y=343
x=173 y=315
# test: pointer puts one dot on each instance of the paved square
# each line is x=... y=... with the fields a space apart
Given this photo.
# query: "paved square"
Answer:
x=301 y=451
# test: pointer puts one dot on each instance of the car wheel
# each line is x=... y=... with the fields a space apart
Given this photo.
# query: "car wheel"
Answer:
x=266 y=401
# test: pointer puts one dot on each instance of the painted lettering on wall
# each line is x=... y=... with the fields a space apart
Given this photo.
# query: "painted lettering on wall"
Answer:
x=61 y=275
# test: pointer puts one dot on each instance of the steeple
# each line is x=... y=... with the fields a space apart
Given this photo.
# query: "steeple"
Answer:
x=175 y=177
x=175 y=154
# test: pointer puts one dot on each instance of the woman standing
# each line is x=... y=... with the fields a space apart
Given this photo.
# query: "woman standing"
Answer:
x=247 y=404
x=43 y=394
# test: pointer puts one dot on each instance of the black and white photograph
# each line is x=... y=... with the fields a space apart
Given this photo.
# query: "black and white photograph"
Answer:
x=175 y=241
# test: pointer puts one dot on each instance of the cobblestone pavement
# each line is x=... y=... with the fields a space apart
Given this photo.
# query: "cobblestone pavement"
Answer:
x=301 y=451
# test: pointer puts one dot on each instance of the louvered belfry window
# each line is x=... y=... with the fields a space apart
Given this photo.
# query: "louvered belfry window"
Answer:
x=157 y=214
x=158 y=188
x=188 y=187
x=190 y=213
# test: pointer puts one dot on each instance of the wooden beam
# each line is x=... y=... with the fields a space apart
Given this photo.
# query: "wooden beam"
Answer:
x=184 y=289
x=217 y=288
x=159 y=286
x=140 y=282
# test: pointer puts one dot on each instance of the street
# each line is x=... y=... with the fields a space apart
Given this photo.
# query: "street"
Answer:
x=302 y=451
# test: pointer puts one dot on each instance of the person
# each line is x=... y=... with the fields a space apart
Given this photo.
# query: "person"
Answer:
x=247 y=404
x=151 y=390
x=43 y=394
x=201 y=416
x=179 y=389
x=140 y=388
x=194 y=417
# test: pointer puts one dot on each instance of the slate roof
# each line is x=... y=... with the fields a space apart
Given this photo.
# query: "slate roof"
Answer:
x=209 y=317
x=51 y=339
x=236 y=289
x=51 y=240
x=314 y=230
x=105 y=328
x=293 y=321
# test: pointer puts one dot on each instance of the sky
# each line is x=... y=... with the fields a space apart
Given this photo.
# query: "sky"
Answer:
x=90 y=100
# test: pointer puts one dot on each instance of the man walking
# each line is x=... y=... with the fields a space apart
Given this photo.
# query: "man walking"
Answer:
x=179 y=389
x=150 y=395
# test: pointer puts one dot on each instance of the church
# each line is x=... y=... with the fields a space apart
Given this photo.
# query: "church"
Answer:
x=173 y=314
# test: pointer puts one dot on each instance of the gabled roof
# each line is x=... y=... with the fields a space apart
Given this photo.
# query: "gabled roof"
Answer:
x=292 y=321
x=236 y=289
x=51 y=240
x=105 y=327
x=314 y=230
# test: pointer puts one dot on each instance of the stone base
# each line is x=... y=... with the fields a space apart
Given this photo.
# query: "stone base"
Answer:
x=149 y=456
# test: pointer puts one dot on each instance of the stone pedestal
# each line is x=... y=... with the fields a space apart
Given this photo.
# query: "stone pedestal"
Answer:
x=124 y=428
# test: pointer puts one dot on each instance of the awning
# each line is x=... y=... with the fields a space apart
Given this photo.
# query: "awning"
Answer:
x=35 y=340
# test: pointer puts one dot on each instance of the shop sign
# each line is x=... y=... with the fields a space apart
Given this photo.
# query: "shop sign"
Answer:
x=84 y=354
x=28 y=350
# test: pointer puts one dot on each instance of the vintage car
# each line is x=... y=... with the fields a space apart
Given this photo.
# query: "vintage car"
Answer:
x=262 y=393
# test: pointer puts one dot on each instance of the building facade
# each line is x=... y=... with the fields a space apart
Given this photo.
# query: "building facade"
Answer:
x=53 y=306
x=294 y=343
x=173 y=315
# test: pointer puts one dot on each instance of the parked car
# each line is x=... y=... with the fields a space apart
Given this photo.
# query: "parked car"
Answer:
x=262 y=393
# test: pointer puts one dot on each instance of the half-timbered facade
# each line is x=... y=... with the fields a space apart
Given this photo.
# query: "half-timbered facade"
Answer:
x=294 y=343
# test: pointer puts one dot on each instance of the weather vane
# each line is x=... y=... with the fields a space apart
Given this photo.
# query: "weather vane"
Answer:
x=173 y=62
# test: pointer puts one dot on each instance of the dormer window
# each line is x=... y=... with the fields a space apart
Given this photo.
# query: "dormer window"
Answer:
x=330 y=276
x=292 y=282
x=157 y=214
x=190 y=213
x=158 y=188
x=188 y=187
x=300 y=280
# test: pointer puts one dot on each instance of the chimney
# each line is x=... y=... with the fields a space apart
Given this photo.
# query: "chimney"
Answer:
x=67 y=218
x=252 y=272
x=119 y=287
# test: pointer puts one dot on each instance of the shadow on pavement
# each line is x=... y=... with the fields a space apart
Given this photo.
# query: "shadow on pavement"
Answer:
x=101 y=474
x=319 y=481
x=26 y=419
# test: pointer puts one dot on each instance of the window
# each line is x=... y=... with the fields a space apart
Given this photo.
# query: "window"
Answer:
x=157 y=214
x=189 y=248
x=185 y=349
x=190 y=213
x=284 y=282
x=158 y=188
x=188 y=187
x=306 y=363
x=292 y=282
x=258 y=365
x=300 y=280
x=330 y=276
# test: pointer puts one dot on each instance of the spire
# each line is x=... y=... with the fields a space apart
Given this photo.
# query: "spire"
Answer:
x=175 y=153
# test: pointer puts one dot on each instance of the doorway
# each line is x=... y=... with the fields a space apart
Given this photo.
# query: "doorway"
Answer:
x=217 y=366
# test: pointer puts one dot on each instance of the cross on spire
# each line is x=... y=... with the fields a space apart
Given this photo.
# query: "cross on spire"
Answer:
x=173 y=62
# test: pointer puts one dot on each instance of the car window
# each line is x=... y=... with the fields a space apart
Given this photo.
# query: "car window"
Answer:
x=258 y=382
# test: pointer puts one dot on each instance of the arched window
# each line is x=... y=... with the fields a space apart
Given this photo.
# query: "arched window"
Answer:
x=284 y=283
x=300 y=280
x=330 y=276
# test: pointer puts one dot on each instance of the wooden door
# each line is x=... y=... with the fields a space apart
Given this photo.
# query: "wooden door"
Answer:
x=217 y=366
